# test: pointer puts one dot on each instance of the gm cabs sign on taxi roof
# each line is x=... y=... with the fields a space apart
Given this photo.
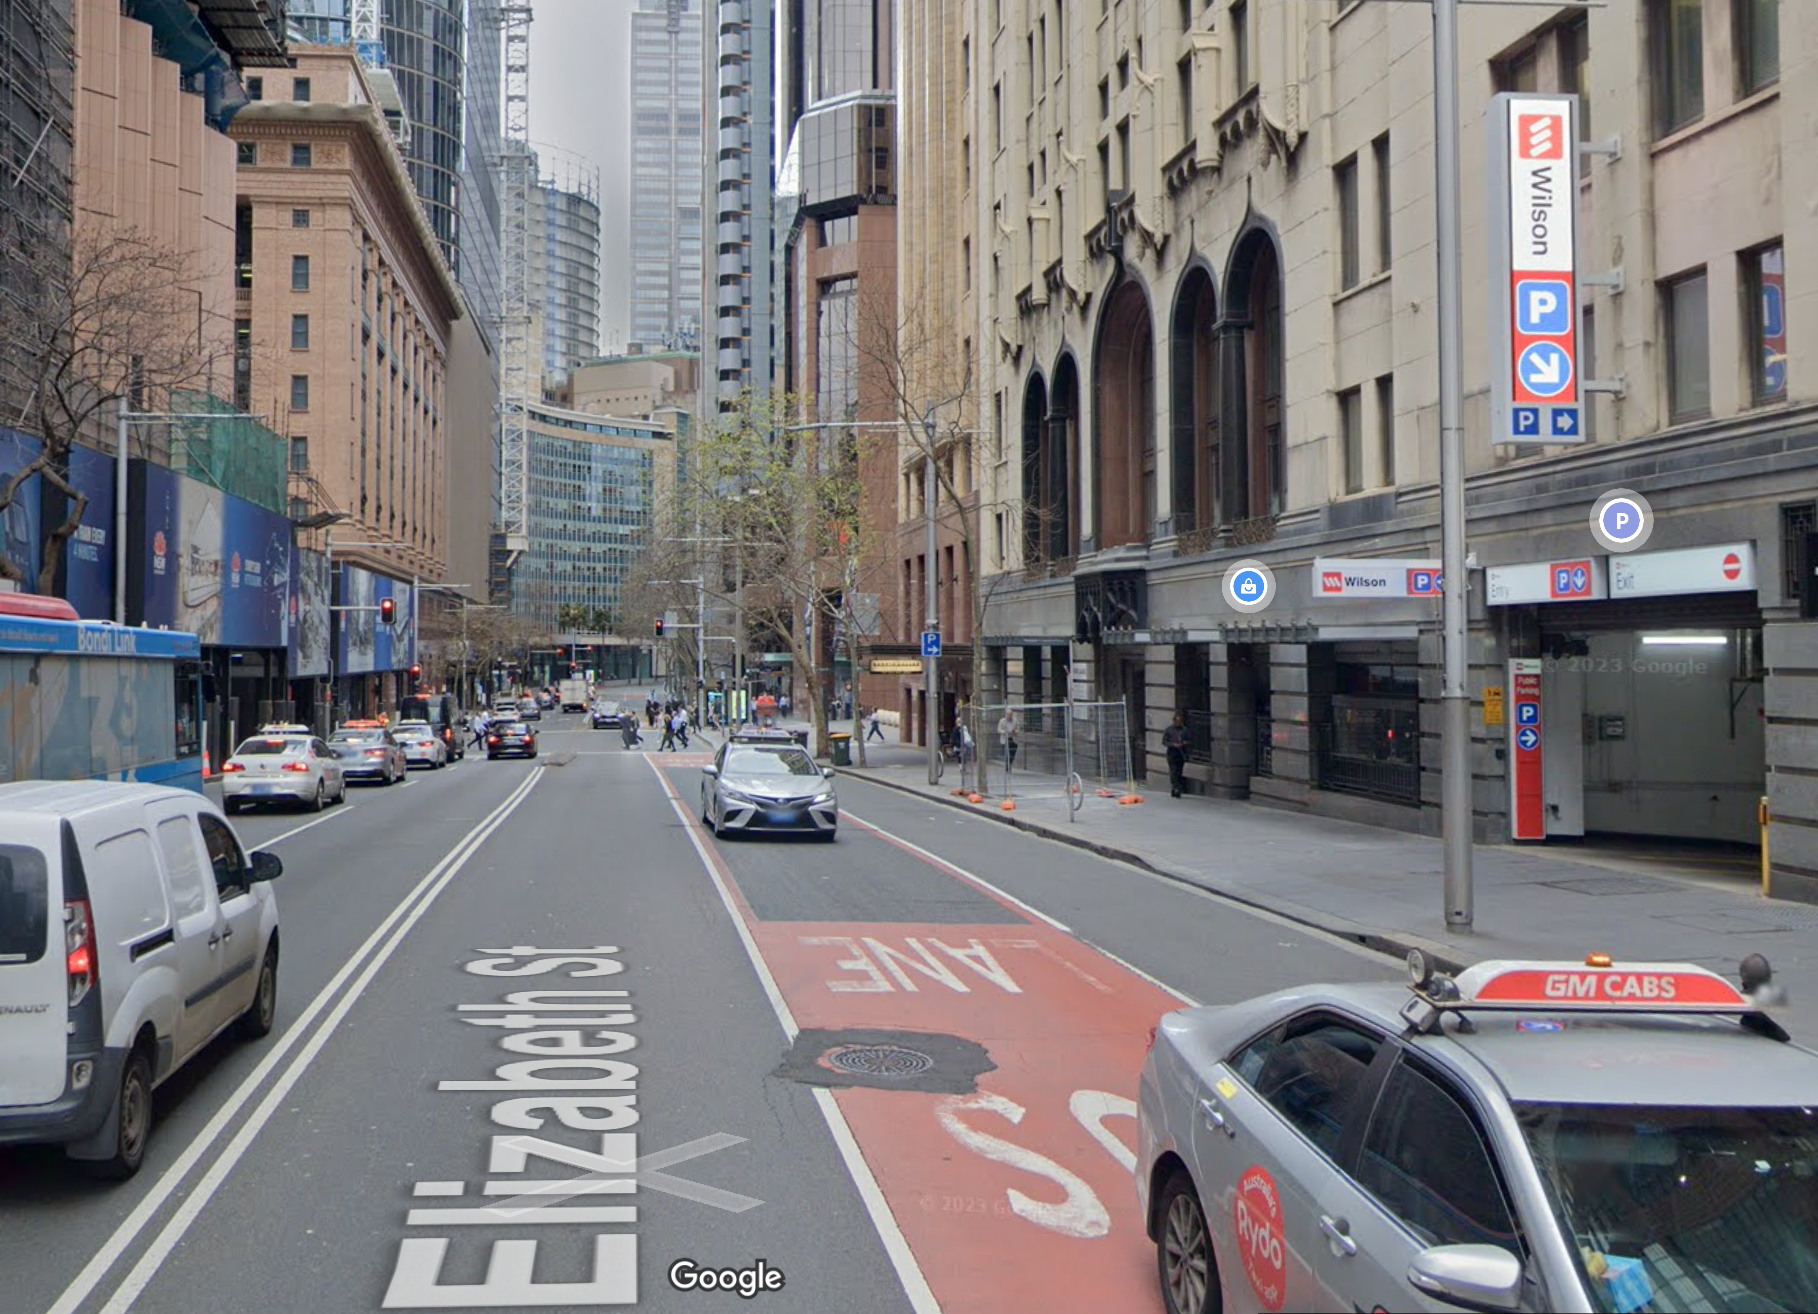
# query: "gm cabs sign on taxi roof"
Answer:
x=1536 y=395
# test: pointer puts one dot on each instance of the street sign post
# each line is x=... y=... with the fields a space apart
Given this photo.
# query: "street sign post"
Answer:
x=1536 y=396
x=1527 y=801
x=931 y=643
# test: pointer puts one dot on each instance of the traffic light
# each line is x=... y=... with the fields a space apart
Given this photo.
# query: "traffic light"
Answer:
x=416 y=673
x=388 y=610
x=659 y=625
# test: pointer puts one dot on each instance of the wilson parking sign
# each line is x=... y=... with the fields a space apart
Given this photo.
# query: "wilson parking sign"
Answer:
x=1536 y=393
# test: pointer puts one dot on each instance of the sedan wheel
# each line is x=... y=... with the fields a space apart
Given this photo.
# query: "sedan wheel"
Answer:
x=315 y=804
x=1184 y=1259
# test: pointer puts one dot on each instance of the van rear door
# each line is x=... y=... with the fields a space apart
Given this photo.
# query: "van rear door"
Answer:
x=34 y=977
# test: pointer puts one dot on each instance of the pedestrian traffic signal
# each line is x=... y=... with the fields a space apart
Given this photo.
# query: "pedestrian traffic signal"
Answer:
x=659 y=626
x=388 y=610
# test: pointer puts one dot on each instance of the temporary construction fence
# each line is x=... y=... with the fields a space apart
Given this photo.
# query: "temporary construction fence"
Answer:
x=1063 y=752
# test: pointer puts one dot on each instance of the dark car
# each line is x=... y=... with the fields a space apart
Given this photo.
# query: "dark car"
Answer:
x=511 y=739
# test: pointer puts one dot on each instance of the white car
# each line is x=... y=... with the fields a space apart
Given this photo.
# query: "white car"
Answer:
x=134 y=929
x=282 y=769
x=421 y=744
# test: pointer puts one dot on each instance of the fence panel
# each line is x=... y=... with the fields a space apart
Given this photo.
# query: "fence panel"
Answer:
x=1064 y=752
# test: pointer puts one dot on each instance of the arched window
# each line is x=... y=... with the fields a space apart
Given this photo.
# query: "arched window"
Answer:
x=1124 y=420
x=1061 y=498
x=1257 y=466
x=1194 y=397
x=1035 y=481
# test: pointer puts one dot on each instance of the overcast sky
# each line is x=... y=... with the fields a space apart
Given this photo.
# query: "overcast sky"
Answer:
x=580 y=101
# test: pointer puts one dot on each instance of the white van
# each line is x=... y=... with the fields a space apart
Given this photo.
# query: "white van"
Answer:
x=134 y=929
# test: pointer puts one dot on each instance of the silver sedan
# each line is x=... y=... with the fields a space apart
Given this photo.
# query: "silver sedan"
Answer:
x=1528 y=1136
x=422 y=745
x=771 y=788
x=282 y=768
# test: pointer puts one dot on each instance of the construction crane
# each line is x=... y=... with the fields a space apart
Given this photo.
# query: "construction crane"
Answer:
x=369 y=45
x=519 y=381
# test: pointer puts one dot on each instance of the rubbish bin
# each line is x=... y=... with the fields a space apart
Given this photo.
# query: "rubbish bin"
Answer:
x=842 y=749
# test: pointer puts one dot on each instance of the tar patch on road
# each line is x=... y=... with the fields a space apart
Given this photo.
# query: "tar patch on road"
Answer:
x=887 y=1060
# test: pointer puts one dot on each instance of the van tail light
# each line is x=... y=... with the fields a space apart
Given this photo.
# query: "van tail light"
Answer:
x=231 y=767
x=79 y=950
x=297 y=766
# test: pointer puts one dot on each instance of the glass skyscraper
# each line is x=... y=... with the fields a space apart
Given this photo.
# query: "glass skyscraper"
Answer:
x=666 y=91
x=737 y=283
x=565 y=271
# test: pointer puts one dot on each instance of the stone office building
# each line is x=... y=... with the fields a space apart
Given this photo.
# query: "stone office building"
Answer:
x=1211 y=334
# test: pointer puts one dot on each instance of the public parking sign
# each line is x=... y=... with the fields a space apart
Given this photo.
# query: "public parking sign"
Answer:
x=931 y=643
x=1536 y=395
x=1527 y=800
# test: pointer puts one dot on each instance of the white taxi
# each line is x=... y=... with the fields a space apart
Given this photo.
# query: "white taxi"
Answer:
x=421 y=744
x=282 y=768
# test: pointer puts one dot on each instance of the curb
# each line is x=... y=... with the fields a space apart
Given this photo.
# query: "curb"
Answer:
x=1393 y=943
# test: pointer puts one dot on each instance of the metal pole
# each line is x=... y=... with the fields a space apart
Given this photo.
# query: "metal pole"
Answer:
x=415 y=611
x=931 y=665
x=1455 y=702
x=738 y=643
x=120 y=519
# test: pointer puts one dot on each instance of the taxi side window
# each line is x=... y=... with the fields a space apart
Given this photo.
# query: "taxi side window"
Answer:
x=225 y=856
x=1427 y=1162
x=1310 y=1071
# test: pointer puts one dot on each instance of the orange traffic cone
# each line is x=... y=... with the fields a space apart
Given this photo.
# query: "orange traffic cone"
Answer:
x=1008 y=805
x=1130 y=798
x=206 y=769
x=975 y=798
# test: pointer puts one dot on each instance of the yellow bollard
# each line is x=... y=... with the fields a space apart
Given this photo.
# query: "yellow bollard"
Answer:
x=1767 y=870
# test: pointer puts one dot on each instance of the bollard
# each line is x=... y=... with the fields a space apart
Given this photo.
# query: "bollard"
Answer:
x=1767 y=869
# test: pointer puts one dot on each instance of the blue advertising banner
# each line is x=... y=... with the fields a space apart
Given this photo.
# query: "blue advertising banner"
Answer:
x=86 y=574
x=19 y=522
x=255 y=561
x=152 y=569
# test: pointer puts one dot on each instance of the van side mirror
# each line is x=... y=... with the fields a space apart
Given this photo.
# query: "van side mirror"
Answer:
x=266 y=866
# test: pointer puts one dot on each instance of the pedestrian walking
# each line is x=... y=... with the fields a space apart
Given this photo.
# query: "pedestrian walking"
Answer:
x=668 y=744
x=1174 y=740
x=873 y=730
x=681 y=726
x=480 y=725
x=1008 y=727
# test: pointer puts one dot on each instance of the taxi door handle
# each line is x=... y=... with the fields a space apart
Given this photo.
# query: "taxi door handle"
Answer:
x=1339 y=1234
x=1215 y=1117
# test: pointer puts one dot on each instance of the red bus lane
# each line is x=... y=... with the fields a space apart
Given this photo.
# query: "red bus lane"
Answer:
x=1016 y=1194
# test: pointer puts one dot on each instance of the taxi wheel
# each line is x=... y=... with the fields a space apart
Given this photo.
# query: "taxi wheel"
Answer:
x=1183 y=1255
x=315 y=804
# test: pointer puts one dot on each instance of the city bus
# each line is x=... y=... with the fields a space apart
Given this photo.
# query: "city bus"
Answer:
x=92 y=700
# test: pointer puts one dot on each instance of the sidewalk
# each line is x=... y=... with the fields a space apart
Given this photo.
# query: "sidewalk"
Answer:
x=1384 y=888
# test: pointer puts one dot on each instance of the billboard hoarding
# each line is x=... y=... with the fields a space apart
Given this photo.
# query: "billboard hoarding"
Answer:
x=85 y=574
x=255 y=564
x=307 y=604
x=1536 y=391
x=19 y=522
x=154 y=569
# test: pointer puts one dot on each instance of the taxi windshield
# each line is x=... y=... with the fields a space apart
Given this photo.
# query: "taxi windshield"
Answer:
x=1684 y=1208
x=771 y=762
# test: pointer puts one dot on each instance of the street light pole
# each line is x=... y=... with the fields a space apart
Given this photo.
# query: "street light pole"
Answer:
x=1455 y=700
x=931 y=718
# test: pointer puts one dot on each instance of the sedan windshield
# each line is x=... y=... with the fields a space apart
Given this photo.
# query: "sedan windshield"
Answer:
x=771 y=762
x=1684 y=1209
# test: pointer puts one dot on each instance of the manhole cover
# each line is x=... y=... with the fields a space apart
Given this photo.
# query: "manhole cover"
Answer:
x=892 y=1062
x=1606 y=885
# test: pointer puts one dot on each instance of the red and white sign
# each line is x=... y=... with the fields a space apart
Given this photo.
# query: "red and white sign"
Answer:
x=1539 y=581
x=1261 y=1242
x=1527 y=802
x=1390 y=577
x=1654 y=988
x=1726 y=568
x=1543 y=329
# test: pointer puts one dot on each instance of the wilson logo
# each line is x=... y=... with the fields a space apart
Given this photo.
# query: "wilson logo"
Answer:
x=1331 y=581
x=1542 y=137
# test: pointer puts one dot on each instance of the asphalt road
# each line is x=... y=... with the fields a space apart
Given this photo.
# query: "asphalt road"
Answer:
x=324 y=1168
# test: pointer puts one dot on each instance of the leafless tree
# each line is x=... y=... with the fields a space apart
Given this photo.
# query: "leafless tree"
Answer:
x=115 y=315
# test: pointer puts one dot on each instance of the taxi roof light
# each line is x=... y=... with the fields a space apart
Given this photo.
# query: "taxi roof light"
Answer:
x=1598 y=960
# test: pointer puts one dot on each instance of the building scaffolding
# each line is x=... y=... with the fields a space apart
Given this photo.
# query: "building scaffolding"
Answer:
x=520 y=372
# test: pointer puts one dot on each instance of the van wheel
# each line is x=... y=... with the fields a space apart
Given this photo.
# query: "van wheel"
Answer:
x=256 y=1022
x=132 y=1115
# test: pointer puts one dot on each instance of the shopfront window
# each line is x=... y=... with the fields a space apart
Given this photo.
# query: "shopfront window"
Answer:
x=1369 y=741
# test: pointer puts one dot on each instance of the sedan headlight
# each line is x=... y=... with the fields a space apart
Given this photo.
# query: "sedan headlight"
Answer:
x=734 y=796
x=826 y=797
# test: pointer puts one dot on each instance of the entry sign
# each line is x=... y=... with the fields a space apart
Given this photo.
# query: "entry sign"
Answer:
x=1527 y=803
x=931 y=643
x=1536 y=396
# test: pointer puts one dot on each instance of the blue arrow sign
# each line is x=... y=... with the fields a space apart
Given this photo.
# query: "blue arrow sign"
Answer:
x=1528 y=738
x=1565 y=422
x=931 y=643
x=1544 y=369
x=1581 y=580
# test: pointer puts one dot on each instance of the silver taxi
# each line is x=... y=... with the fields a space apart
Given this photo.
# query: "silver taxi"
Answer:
x=1590 y=1136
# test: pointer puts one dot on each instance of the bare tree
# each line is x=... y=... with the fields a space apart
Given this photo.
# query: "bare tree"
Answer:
x=923 y=362
x=116 y=315
x=784 y=497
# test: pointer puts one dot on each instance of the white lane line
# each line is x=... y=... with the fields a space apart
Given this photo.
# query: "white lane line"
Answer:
x=341 y=810
x=1029 y=908
x=959 y=871
x=410 y=907
x=896 y=1245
